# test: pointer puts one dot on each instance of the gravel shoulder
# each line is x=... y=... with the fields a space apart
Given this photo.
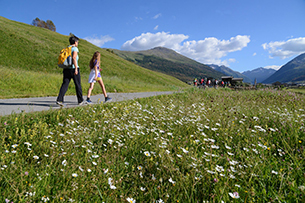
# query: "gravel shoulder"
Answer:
x=10 y=106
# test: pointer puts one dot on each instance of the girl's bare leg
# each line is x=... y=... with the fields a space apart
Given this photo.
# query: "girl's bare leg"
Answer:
x=103 y=87
x=90 y=90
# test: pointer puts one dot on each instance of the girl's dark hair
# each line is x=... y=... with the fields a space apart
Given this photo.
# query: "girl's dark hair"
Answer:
x=73 y=39
x=96 y=57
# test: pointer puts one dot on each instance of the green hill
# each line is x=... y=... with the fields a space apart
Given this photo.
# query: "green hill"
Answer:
x=293 y=71
x=169 y=62
x=28 y=65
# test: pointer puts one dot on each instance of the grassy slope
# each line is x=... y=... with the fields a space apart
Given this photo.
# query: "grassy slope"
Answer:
x=169 y=62
x=28 y=58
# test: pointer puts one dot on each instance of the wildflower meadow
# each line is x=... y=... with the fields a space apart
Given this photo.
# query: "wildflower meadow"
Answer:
x=196 y=146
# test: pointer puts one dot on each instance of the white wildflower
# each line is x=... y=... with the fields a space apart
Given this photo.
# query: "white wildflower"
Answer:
x=212 y=172
x=228 y=147
x=64 y=162
x=171 y=181
x=131 y=200
x=184 y=150
x=147 y=153
x=74 y=175
x=274 y=172
x=234 y=195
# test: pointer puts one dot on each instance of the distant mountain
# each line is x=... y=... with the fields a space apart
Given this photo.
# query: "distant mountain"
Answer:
x=260 y=74
x=229 y=72
x=293 y=71
x=169 y=62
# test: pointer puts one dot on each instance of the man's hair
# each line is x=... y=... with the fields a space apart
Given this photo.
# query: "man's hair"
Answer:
x=73 y=39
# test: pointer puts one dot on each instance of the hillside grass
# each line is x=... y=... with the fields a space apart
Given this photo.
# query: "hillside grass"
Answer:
x=33 y=52
x=297 y=90
x=169 y=62
x=16 y=83
x=196 y=146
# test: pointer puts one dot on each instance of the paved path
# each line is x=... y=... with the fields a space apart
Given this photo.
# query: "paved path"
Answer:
x=9 y=106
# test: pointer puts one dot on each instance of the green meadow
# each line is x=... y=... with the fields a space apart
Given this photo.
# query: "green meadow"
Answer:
x=28 y=65
x=193 y=146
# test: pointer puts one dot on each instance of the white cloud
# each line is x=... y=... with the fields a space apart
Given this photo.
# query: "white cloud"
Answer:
x=208 y=51
x=285 y=49
x=275 y=67
x=254 y=54
x=211 y=50
x=99 y=41
x=156 y=28
x=149 y=40
x=157 y=16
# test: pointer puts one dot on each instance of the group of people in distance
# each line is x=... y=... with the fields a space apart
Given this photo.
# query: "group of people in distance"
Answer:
x=74 y=73
x=209 y=83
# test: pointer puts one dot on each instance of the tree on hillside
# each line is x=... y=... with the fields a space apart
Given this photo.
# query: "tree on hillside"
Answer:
x=36 y=21
x=41 y=23
x=50 y=25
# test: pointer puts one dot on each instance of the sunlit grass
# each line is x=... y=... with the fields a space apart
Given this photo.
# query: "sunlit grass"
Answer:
x=297 y=90
x=29 y=56
x=18 y=83
x=196 y=146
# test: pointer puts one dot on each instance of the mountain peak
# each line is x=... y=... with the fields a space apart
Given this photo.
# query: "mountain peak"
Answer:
x=162 y=50
x=170 y=62
x=260 y=74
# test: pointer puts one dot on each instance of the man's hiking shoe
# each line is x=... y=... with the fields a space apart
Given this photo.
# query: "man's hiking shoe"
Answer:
x=82 y=103
x=60 y=104
x=107 y=99
x=89 y=101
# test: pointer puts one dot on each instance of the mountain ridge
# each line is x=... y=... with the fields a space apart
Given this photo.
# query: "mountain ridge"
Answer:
x=260 y=74
x=293 y=71
x=169 y=62
x=229 y=72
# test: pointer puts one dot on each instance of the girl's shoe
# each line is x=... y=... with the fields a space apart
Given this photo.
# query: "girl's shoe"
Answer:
x=107 y=99
x=89 y=101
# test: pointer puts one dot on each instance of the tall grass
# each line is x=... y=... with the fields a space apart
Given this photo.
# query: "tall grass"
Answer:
x=16 y=83
x=196 y=146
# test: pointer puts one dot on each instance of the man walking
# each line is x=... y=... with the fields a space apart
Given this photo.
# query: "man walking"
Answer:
x=71 y=73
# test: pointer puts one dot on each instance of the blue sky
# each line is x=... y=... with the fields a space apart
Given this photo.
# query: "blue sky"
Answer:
x=241 y=34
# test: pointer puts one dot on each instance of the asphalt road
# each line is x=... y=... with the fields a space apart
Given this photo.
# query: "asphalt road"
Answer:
x=9 y=106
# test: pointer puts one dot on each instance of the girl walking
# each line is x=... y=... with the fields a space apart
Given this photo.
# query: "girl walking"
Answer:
x=95 y=76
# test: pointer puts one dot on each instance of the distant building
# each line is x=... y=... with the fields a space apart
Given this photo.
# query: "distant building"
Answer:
x=227 y=79
x=237 y=80
x=231 y=80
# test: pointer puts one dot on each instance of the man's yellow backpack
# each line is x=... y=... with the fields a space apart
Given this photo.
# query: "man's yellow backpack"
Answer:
x=65 y=58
